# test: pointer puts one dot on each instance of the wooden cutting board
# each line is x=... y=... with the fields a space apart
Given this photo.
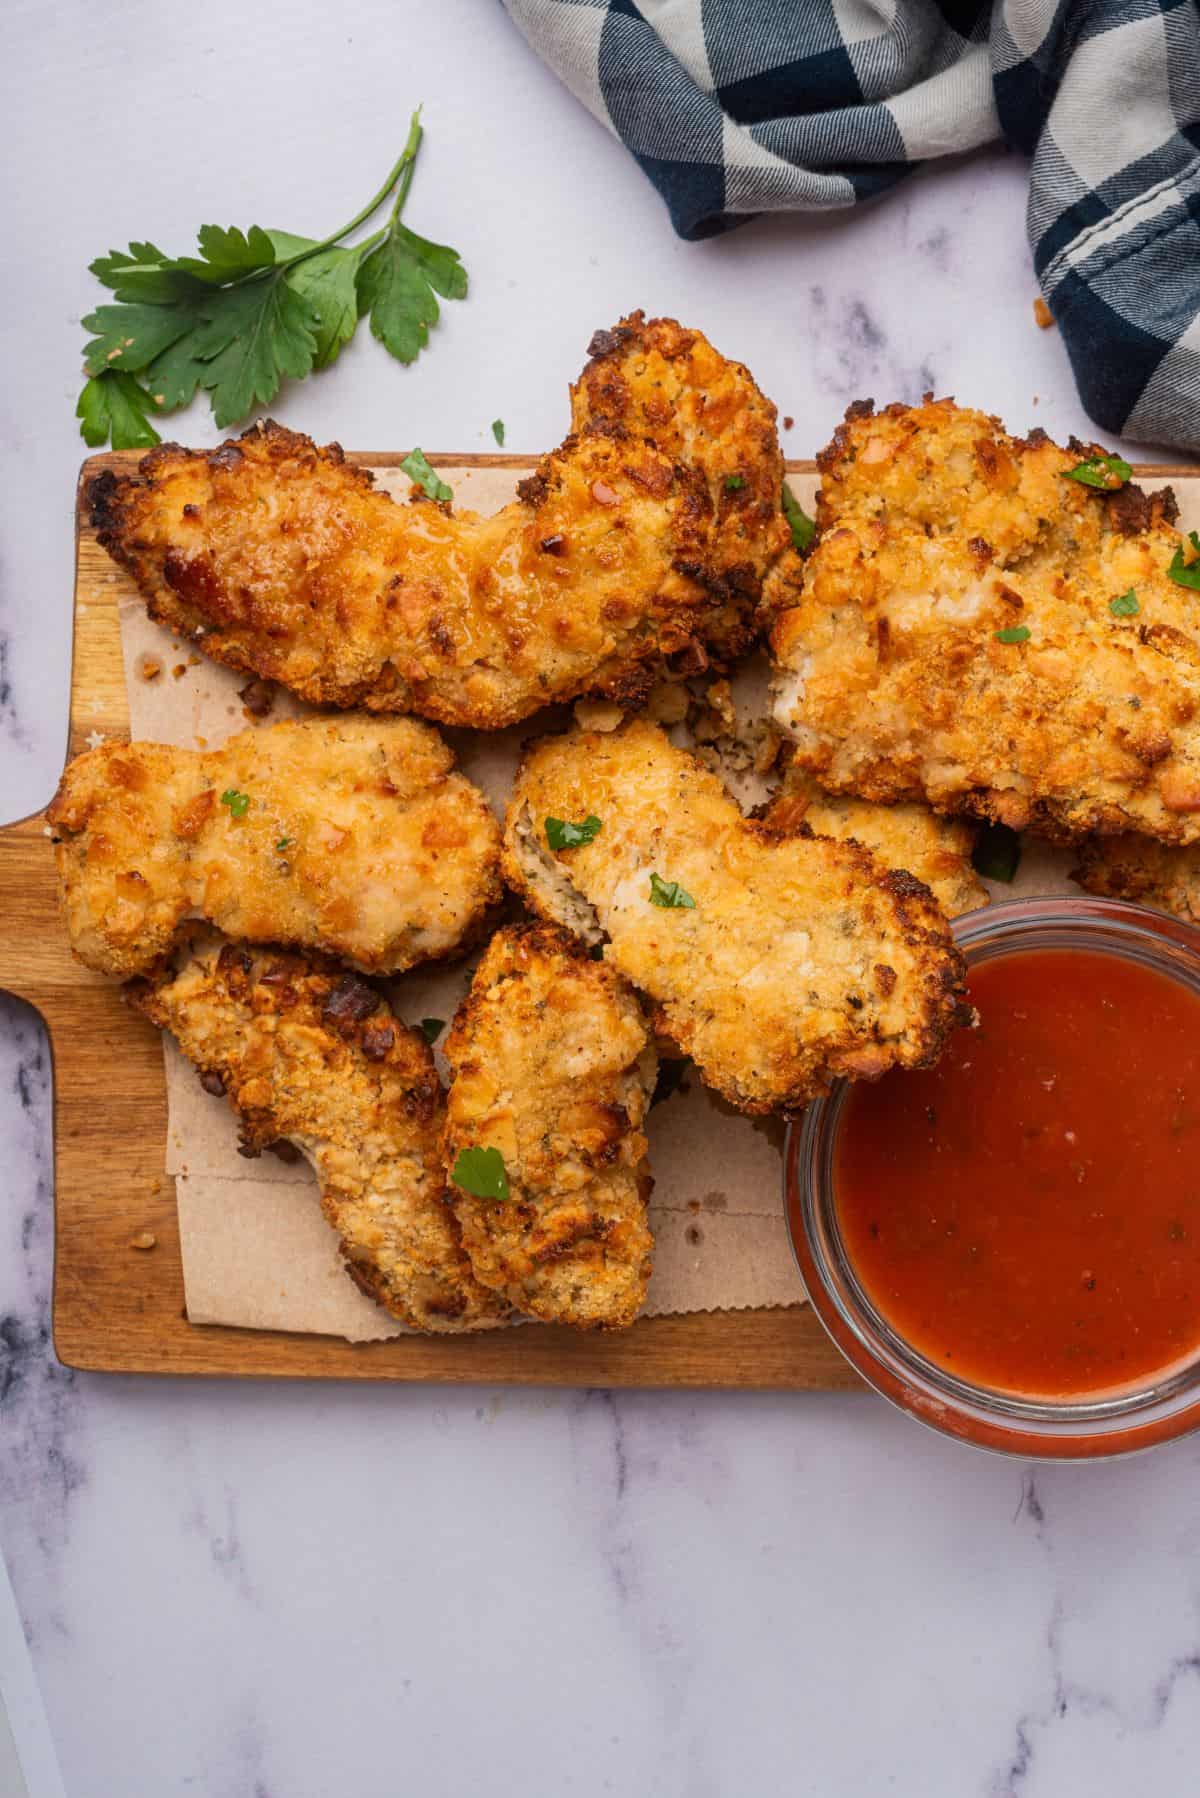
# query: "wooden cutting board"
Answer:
x=119 y=1309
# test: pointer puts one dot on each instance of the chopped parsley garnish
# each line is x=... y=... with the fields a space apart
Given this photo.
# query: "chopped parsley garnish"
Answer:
x=252 y=309
x=284 y=843
x=416 y=467
x=1185 y=570
x=498 y=431
x=481 y=1172
x=1125 y=605
x=734 y=482
x=238 y=803
x=670 y=895
x=1109 y=472
x=997 y=854
x=561 y=834
x=1014 y=633
x=803 y=528
x=431 y=1029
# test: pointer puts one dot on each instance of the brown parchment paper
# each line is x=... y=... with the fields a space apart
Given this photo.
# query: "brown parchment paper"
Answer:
x=256 y=1250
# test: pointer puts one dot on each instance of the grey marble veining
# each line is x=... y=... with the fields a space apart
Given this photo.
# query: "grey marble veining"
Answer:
x=275 y=1591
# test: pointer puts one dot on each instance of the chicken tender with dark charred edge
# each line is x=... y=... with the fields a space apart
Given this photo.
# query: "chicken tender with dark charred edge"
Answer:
x=937 y=850
x=975 y=629
x=553 y=1069
x=305 y=1052
x=775 y=961
x=349 y=835
x=1141 y=870
x=640 y=544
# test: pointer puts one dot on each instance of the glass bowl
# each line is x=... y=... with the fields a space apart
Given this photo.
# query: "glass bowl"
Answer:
x=1083 y=1428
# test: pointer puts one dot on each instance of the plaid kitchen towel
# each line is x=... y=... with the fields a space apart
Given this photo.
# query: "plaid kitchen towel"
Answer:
x=738 y=107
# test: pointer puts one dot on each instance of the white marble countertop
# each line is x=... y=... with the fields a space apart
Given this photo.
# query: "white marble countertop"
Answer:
x=296 y=1592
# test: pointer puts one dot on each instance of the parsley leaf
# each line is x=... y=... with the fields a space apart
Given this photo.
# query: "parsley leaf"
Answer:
x=670 y=895
x=431 y=1029
x=1185 y=572
x=252 y=309
x=238 y=803
x=1014 y=633
x=482 y=1172
x=997 y=852
x=734 y=482
x=1125 y=605
x=803 y=528
x=397 y=283
x=115 y=407
x=563 y=835
x=498 y=431
x=284 y=843
x=416 y=467
x=1109 y=472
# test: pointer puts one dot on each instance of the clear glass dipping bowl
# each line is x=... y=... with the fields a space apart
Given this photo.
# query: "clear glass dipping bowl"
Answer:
x=1084 y=1428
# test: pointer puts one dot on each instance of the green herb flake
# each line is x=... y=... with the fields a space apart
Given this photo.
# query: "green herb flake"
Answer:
x=498 y=431
x=1015 y=633
x=416 y=467
x=238 y=803
x=670 y=895
x=803 y=528
x=284 y=843
x=481 y=1172
x=431 y=1029
x=734 y=483
x=561 y=834
x=1108 y=472
x=1125 y=605
x=1185 y=572
x=997 y=853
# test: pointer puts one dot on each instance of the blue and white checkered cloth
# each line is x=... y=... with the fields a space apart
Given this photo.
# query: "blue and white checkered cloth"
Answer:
x=739 y=107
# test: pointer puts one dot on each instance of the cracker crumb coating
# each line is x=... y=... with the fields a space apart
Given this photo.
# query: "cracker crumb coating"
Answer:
x=349 y=835
x=1141 y=870
x=801 y=960
x=939 y=530
x=640 y=544
x=552 y=1066
x=309 y=1054
x=910 y=836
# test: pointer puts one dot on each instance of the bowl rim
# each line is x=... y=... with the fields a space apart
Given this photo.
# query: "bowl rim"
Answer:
x=1163 y=1409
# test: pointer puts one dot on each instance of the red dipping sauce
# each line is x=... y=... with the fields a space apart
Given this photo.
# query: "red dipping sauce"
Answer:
x=1026 y=1215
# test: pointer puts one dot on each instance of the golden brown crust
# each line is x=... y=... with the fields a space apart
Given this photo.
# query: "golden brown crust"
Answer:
x=552 y=1067
x=1141 y=870
x=802 y=959
x=307 y=1053
x=936 y=850
x=357 y=838
x=628 y=549
x=938 y=530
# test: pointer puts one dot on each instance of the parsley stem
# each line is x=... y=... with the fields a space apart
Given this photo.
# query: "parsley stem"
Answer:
x=402 y=170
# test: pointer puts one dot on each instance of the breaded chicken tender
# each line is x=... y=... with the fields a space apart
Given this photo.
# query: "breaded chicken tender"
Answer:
x=307 y=1053
x=641 y=542
x=349 y=835
x=952 y=636
x=1148 y=873
x=937 y=850
x=553 y=1069
x=775 y=961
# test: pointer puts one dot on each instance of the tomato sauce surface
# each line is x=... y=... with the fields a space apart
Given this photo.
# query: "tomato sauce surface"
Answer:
x=1027 y=1213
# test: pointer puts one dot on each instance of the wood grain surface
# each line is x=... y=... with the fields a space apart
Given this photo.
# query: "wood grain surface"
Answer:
x=118 y=1308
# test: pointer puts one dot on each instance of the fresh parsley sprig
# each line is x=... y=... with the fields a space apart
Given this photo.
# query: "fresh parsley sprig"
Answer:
x=802 y=527
x=1106 y=471
x=252 y=309
x=561 y=833
x=481 y=1172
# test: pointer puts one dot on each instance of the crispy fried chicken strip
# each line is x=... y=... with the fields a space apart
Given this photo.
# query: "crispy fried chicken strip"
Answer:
x=798 y=959
x=643 y=540
x=951 y=636
x=1138 y=868
x=304 y=1051
x=349 y=835
x=937 y=850
x=553 y=1068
